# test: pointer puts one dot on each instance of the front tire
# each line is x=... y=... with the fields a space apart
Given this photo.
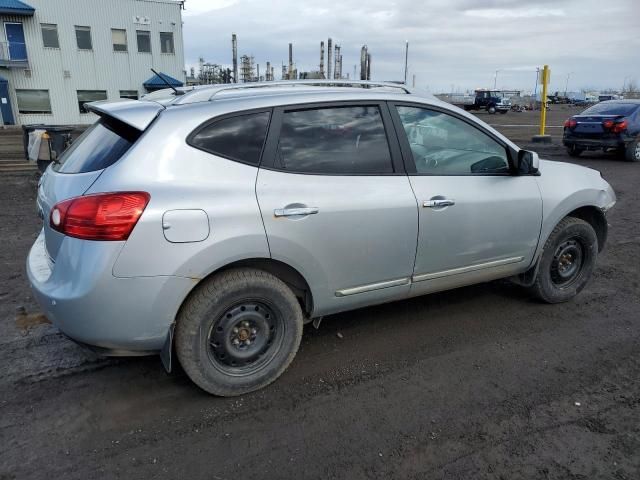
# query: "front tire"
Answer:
x=567 y=261
x=491 y=109
x=632 y=152
x=238 y=331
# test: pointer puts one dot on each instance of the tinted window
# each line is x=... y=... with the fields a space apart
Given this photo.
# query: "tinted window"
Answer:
x=50 y=35
x=83 y=38
x=144 y=41
x=119 y=40
x=342 y=140
x=100 y=146
x=166 y=42
x=239 y=138
x=88 y=96
x=445 y=145
x=625 y=109
x=33 y=101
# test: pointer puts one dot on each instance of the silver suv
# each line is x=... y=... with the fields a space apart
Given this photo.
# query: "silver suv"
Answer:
x=214 y=222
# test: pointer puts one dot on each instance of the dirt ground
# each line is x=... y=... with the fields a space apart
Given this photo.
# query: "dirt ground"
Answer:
x=476 y=383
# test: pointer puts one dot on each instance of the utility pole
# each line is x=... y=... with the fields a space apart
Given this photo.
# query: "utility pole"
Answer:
x=406 y=60
x=495 y=80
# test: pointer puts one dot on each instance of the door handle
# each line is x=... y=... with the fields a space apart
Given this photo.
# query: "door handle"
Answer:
x=297 y=211
x=440 y=202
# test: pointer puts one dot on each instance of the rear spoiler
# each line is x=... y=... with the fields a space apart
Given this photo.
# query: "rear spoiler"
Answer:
x=135 y=113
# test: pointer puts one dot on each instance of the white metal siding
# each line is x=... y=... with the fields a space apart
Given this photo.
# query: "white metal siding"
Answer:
x=97 y=69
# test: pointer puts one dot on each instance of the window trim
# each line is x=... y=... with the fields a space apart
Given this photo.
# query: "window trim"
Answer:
x=173 y=43
x=207 y=123
x=407 y=154
x=84 y=28
x=269 y=152
x=126 y=40
x=42 y=28
x=34 y=112
x=138 y=42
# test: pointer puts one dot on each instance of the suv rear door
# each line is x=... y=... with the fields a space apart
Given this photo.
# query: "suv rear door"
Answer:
x=337 y=204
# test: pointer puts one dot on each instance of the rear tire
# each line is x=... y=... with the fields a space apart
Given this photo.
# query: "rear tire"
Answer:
x=632 y=152
x=574 y=151
x=491 y=109
x=567 y=261
x=238 y=331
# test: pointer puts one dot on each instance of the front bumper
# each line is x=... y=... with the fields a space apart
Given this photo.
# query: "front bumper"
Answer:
x=80 y=295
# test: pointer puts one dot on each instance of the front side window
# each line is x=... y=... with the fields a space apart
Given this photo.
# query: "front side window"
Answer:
x=100 y=146
x=337 y=140
x=445 y=145
x=239 y=138
x=50 y=35
x=33 y=101
x=166 y=42
x=83 y=38
x=86 y=96
x=144 y=41
x=119 y=39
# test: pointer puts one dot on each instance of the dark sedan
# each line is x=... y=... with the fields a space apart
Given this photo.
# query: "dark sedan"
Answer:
x=610 y=125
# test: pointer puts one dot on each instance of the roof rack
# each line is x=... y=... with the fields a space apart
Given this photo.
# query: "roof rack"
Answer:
x=217 y=88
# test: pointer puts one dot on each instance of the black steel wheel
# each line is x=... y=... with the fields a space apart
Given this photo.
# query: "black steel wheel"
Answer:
x=238 y=331
x=245 y=337
x=567 y=261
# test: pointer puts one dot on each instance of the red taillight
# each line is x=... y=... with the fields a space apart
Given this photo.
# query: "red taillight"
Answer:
x=103 y=216
x=620 y=126
x=570 y=123
x=615 y=127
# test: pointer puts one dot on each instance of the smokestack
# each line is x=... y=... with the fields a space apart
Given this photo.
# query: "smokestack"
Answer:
x=290 y=60
x=267 y=75
x=368 y=66
x=336 y=66
x=322 y=59
x=272 y=73
x=234 y=48
x=363 y=63
x=329 y=53
x=258 y=72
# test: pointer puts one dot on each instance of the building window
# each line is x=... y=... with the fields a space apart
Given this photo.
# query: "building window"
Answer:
x=119 y=40
x=50 y=35
x=131 y=94
x=166 y=42
x=144 y=41
x=86 y=96
x=83 y=38
x=33 y=101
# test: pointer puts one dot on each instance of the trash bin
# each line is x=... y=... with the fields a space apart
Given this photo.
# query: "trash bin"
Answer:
x=26 y=130
x=59 y=139
x=53 y=143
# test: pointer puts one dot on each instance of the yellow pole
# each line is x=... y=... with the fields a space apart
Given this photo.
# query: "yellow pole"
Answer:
x=543 y=112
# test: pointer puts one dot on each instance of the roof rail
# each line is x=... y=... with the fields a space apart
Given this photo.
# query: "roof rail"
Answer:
x=313 y=83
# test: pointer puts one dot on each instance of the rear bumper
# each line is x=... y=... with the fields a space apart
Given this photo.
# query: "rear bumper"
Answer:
x=594 y=143
x=80 y=295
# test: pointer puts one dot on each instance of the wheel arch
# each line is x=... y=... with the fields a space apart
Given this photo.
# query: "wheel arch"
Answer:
x=289 y=275
x=595 y=217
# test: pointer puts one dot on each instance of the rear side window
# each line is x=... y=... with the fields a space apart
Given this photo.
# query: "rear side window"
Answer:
x=334 y=141
x=238 y=138
x=100 y=146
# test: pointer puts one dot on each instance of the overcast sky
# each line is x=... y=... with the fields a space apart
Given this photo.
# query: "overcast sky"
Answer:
x=455 y=44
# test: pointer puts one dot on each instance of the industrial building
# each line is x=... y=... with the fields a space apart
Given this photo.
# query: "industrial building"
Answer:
x=57 y=55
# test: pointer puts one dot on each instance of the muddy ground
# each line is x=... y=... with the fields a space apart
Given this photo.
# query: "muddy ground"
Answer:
x=480 y=382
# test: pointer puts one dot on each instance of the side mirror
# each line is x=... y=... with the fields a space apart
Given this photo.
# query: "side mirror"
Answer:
x=528 y=163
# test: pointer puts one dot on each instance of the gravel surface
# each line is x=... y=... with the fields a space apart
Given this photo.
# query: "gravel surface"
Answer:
x=479 y=382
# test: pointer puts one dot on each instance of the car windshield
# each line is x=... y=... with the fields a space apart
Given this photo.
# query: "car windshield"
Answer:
x=625 y=109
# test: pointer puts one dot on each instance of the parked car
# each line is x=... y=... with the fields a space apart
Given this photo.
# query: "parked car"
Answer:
x=216 y=221
x=610 y=125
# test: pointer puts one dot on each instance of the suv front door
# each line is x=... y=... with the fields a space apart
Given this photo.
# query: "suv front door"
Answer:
x=478 y=222
x=337 y=204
